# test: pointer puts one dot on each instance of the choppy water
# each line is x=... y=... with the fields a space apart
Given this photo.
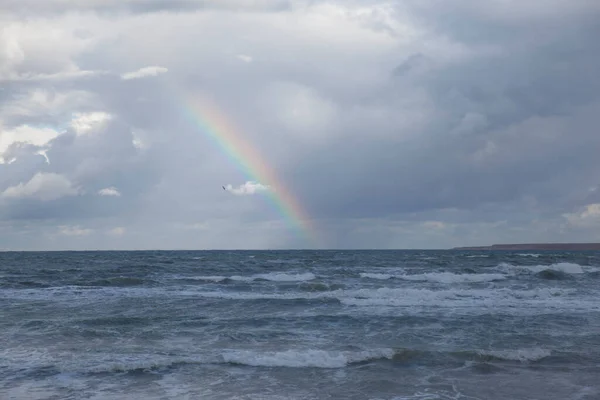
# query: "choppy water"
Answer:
x=300 y=325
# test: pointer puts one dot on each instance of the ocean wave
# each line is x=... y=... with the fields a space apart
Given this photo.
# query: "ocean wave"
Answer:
x=439 y=277
x=139 y=363
x=283 y=277
x=31 y=362
x=436 y=356
x=512 y=299
x=305 y=358
x=471 y=298
x=565 y=267
x=449 y=277
x=121 y=281
x=522 y=355
x=553 y=275
x=376 y=276
x=211 y=278
x=481 y=300
x=272 y=276
x=318 y=287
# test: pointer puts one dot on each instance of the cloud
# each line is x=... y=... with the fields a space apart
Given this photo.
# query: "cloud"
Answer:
x=35 y=102
x=587 y=216
x=44 y=154
x=301 y=111
x=74 y=230
x=24 y=135
x=144 y=72
x=248 y=188
x=392 y=124
x=41 y=52
x=42 y=186
x=244 y=58
x=118 y=231
x=109 y=191
x=84 y=123
x=140 y=6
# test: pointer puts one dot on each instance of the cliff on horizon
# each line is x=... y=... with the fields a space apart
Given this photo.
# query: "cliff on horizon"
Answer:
x=536 y=246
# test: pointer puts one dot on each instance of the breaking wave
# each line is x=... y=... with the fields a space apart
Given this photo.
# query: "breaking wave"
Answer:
x=305 y=358
x=273 y=277
x=449 y=277
x=376 y=276
x=522 y=355
x=564 y=267
x=292 y=358
x=439 y=277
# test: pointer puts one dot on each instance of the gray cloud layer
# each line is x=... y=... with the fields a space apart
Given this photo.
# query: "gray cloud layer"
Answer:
x=413 y=124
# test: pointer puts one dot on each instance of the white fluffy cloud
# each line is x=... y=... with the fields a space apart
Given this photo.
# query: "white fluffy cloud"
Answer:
x=42 y=51
x=85 y=123
x=144 y=72
x=248 y=188
x=109 y=191
x=23 y=135
x=42 y=186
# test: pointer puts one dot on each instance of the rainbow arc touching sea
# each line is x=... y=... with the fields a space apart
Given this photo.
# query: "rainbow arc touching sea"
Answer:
x=209 y=119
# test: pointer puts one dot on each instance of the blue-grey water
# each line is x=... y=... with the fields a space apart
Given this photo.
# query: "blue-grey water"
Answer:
x=300 y=325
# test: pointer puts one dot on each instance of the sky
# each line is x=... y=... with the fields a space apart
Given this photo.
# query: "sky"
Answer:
x=331 y=124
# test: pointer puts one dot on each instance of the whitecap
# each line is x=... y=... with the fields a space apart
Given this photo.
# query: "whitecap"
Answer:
x=522 y=355
x=566 y=267
x=212 y=278
x=449 y=277
x=283 y=277
x=303 y=358
x=273 y=276
x=376 y=276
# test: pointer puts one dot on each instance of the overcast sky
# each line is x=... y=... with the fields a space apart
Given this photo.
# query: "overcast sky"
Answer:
x=393 y=124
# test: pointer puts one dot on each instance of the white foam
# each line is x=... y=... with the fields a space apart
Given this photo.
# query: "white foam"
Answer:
x=510 y=299
x=449 y=277
x=522 y=355
x=439 y=277
x=566 y=267
x=376 y=276
x=213 y=278
x=478 y=300
x=304 y=358
x=283 y=277
x=272 y=276
x=535 y=255
x=474 y=300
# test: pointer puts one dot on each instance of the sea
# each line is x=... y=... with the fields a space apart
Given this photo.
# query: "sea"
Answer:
x=380 y=325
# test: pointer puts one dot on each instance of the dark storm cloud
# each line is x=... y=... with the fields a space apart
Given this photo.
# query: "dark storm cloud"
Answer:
x=538 y=102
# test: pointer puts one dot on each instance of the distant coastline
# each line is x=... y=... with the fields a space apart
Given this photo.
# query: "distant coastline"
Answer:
x=535 y=246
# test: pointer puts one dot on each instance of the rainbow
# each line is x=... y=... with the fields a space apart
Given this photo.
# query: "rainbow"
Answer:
x=206 y=116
